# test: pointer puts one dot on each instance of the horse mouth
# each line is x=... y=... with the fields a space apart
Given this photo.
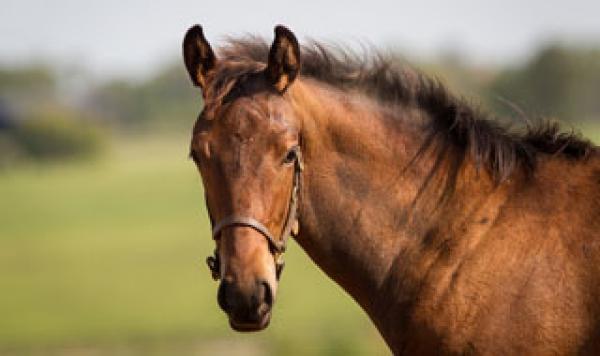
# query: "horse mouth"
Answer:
x=250 y=325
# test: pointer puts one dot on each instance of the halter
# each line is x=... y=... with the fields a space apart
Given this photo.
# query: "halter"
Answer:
x=276 y=246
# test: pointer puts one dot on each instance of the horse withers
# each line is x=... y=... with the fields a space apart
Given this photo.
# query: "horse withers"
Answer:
x=453 y=233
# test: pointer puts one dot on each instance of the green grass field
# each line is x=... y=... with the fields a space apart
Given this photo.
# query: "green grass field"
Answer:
x=108 y=258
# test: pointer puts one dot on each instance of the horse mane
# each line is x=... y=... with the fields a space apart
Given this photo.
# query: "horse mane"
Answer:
x=455 y=122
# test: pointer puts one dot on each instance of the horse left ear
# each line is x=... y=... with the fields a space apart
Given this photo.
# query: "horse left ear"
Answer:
x=284 y=59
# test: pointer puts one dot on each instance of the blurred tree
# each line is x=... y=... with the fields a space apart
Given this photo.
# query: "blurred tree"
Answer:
x=558 y=82
x=58 y=133
x=35 y=124
x=24 y=88
x=165 y=100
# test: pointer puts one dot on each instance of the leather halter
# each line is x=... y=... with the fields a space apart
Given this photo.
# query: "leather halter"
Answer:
x=276 y=246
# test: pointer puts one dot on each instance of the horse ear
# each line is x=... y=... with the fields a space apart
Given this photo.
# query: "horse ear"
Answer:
x=284 y=59
x=199 y=58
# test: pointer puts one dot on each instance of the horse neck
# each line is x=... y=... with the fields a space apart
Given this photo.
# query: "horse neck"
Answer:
x=364 y=210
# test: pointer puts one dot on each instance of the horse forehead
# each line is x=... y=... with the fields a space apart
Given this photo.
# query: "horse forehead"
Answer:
x=250 y=119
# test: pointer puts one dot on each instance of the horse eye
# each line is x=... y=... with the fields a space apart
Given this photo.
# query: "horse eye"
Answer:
x=290 y=157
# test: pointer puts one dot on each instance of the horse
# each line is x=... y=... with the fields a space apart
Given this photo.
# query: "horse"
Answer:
x=456 y=233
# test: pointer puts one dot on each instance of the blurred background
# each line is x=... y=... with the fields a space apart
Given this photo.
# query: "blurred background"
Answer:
x=103 y=231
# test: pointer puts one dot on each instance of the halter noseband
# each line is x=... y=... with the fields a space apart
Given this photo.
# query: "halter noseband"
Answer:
x=276 y=246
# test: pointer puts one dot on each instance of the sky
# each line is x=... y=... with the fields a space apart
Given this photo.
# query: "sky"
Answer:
x=121 y=37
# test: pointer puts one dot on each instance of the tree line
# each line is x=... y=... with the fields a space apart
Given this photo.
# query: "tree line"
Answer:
x=558 y=81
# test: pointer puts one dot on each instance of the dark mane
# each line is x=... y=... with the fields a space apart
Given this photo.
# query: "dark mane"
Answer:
x=455 y=122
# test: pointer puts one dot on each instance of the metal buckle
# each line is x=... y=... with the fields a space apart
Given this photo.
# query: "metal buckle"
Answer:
x=214 y=265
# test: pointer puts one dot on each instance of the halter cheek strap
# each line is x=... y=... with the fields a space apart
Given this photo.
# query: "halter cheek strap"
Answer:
x=276 y=246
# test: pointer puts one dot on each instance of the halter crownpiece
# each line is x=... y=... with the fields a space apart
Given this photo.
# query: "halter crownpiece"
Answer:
x=276 y=246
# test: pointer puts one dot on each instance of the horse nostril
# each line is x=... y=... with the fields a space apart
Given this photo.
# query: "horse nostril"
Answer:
x=246 y=307
x=267 y=293
x=222 y=295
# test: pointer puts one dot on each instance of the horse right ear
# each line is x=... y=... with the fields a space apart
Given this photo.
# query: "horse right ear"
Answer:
x=199 y=58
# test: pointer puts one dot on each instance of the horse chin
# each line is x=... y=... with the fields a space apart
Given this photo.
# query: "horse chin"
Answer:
x=259 y=325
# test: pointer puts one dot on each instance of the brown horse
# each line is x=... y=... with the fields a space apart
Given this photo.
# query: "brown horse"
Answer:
x=454 y=233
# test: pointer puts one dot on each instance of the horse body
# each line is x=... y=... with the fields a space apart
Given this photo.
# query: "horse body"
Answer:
x=454 y=235
x=509 y=269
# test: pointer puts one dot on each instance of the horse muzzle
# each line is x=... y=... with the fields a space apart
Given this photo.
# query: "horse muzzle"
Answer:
x=248 y=308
